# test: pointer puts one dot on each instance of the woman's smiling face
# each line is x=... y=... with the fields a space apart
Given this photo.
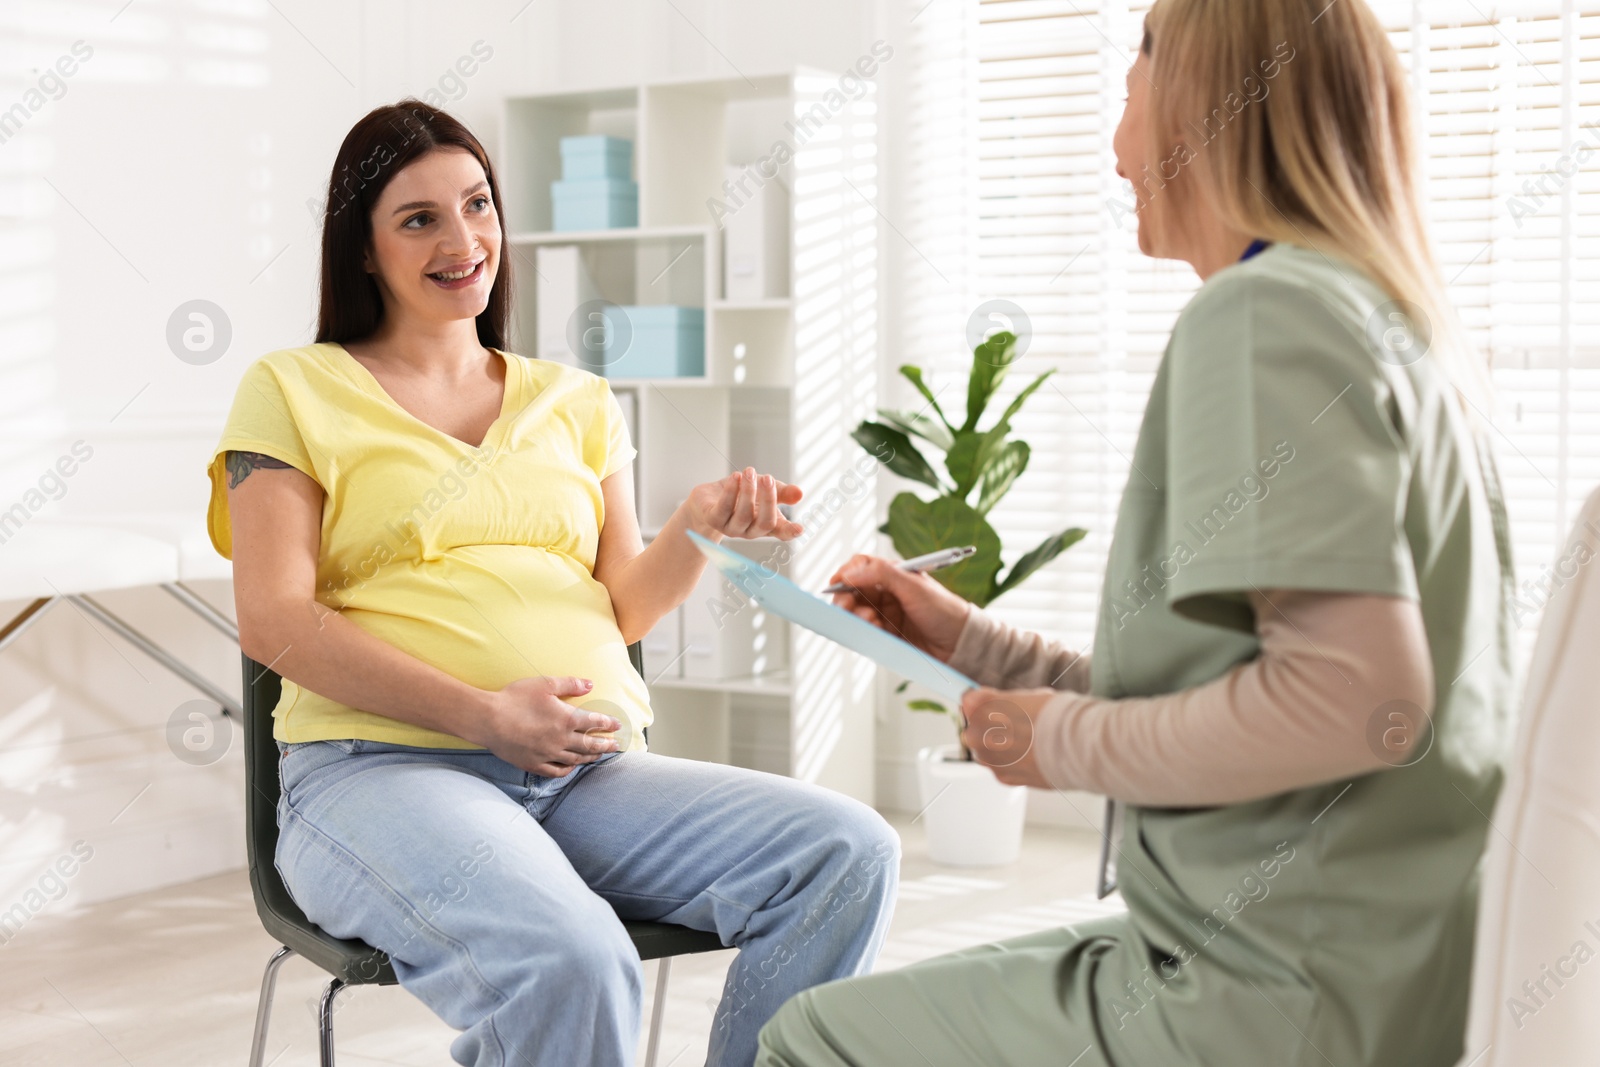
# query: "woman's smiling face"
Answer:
x=435 y=219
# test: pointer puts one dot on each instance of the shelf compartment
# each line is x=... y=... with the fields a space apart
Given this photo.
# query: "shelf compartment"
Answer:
x=533 y=130
x=683 y=441
x=635 y=267
x=751 y=346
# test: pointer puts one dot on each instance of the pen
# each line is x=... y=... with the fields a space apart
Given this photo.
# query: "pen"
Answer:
x=931 y=562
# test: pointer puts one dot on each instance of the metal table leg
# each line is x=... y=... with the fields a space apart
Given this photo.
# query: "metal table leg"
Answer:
x=159 y=654
x=22 y=620
x=192 y=600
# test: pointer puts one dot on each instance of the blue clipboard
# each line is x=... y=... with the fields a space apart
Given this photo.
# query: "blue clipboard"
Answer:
x=783 y=598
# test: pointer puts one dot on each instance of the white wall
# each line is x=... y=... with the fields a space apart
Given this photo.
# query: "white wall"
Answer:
x=177 y=165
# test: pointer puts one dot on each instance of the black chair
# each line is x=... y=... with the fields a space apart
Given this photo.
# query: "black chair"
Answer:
x=355 y=962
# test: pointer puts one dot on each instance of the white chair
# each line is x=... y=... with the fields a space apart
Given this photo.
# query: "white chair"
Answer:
x=1536 y=970
x=49 y=561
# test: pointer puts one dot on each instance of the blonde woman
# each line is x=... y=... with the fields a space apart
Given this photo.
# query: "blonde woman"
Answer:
x=1301 y=679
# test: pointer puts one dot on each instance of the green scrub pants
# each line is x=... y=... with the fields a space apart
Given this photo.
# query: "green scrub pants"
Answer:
x=1023 y=1002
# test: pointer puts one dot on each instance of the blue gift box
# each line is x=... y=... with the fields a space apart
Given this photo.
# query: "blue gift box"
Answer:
x=656 y=341
x=594 y=203
x=596 y=156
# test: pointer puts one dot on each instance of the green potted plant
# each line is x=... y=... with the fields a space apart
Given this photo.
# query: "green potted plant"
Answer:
x=982 y=823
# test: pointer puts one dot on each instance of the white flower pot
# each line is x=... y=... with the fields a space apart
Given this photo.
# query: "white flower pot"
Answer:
x=972 y=819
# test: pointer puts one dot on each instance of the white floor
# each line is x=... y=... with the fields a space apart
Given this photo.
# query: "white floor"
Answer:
x=171 y=977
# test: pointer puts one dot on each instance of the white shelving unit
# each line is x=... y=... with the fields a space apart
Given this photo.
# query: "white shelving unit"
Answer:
x=787 y=377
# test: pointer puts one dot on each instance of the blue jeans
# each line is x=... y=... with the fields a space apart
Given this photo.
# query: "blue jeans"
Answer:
x=498 y=894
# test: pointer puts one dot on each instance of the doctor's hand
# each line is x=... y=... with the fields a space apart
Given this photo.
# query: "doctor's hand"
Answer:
x=530 y=725
x=744 y=504
x=913 y=607
x=1000 y=731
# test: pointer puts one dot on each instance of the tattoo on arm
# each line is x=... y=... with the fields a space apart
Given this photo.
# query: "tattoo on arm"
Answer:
x=240 y=464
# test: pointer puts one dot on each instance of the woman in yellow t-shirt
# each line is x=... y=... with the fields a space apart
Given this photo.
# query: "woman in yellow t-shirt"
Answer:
x=434 y=543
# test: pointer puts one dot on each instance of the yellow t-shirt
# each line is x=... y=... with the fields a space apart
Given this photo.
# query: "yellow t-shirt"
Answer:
x=479 y=561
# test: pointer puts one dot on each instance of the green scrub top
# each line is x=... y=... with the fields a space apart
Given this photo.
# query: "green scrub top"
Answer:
x=1292 y=440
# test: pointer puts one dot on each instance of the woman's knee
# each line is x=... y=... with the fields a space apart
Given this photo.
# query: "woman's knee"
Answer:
x=870 y=835
x=863 y=845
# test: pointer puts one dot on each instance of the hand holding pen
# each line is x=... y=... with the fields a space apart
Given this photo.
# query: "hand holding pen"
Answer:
x=907 y=603
x=933 y=561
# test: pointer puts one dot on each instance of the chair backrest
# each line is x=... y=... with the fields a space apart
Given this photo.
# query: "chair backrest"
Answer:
x=356 y=962
x=1541 y=872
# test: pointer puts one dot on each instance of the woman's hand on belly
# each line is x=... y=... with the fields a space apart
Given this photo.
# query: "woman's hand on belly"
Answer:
x=531 y=726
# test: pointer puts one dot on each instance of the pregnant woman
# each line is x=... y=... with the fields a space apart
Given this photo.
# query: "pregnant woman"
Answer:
x=1301 y=680
x=434 y=542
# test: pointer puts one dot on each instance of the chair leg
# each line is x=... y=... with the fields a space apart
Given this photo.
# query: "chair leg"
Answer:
x=663 y=969
x=269 y=985
x=325 y=1019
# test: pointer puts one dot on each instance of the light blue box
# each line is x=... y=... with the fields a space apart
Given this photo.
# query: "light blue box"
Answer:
x=662 y=341
x=596 y=156
x=594 y=204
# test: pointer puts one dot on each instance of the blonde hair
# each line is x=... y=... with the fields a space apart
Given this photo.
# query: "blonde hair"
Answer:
x=1304 y=124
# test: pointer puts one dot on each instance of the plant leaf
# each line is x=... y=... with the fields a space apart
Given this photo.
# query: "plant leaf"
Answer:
x=1021 y=398
x=925 y=705
x=914 y=376
x=998 y=476
x=921 y=526
x=930 y=430
x=901 y=688
x=962 y=461
x=1047 y=550
x=895 y=451
x=990 y=360
x=969 y=461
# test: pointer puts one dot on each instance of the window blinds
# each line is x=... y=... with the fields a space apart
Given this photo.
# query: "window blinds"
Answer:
x=1010 y=192
x=1508 y=97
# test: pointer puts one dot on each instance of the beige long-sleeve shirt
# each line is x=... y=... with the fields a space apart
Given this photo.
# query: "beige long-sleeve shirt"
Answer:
x=1340 y=687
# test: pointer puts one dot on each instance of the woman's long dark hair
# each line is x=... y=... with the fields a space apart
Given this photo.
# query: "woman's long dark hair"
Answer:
x=377 y=148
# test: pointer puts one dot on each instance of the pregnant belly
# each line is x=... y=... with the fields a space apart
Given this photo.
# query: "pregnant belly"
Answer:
x=492 y=614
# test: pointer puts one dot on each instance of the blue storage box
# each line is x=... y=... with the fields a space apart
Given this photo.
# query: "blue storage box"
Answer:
x=663 y=341
x=594 y=204
x=596 y=156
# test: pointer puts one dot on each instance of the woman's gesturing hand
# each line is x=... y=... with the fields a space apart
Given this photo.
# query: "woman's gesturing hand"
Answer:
x=744 y=504
x=531 y=726
x=913 y=607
